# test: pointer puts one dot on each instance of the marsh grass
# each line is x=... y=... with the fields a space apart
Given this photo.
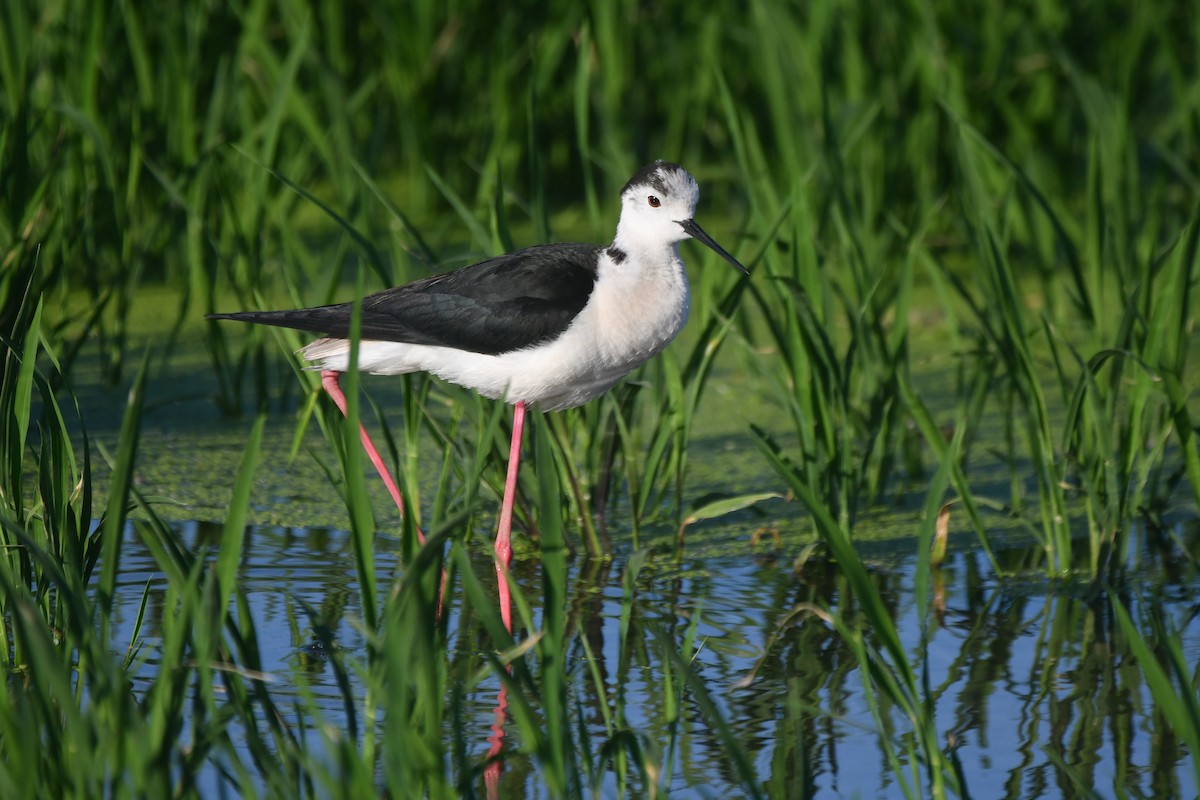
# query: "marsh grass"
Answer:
x=1034 y=172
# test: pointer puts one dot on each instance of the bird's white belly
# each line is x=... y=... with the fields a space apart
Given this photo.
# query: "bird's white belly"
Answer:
x=607 y=341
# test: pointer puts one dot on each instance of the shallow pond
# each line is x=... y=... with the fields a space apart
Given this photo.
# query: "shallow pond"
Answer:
x=1025 y=674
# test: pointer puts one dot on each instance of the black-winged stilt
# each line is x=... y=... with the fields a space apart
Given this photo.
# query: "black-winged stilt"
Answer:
x=553 y=325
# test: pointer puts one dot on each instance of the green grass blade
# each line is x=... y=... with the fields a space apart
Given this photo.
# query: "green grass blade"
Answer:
x=113 y=526
x=229 y=556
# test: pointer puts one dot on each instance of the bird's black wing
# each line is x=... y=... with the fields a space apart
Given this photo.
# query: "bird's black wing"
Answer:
x=496 y=306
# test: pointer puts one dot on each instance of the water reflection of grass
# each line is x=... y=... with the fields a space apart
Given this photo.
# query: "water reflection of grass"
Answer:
x=1034 y=175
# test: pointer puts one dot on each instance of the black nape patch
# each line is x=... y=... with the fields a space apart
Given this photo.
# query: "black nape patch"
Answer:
x=649 y=175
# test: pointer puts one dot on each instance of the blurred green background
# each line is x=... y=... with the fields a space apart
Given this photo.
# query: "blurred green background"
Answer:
x=136 y=138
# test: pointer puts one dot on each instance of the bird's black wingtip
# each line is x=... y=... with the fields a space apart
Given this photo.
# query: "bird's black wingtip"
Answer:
x=276 y=318
x=305 y=319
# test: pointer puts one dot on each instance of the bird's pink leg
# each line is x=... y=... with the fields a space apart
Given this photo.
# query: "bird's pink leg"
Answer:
x=329 y=379
x=491 y=773
x=504 y=529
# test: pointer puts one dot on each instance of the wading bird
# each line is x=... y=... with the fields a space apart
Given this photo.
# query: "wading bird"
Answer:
x=551 y=326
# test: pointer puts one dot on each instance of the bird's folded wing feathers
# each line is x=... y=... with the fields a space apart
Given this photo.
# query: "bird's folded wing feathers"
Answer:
x=506 y=303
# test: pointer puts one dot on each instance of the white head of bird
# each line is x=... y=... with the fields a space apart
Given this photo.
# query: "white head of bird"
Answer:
x=653 y=203
x=657 y=208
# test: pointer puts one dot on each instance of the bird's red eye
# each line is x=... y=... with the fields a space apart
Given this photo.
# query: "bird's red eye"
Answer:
x=653 y=201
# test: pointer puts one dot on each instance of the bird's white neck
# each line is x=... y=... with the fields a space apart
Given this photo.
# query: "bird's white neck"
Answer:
x=636 y=232
x=640 y=300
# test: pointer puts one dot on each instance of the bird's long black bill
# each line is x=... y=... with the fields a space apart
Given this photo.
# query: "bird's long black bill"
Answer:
x=697 y=233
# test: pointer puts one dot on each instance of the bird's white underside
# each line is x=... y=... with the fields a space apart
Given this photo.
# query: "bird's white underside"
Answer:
x=636 y=309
